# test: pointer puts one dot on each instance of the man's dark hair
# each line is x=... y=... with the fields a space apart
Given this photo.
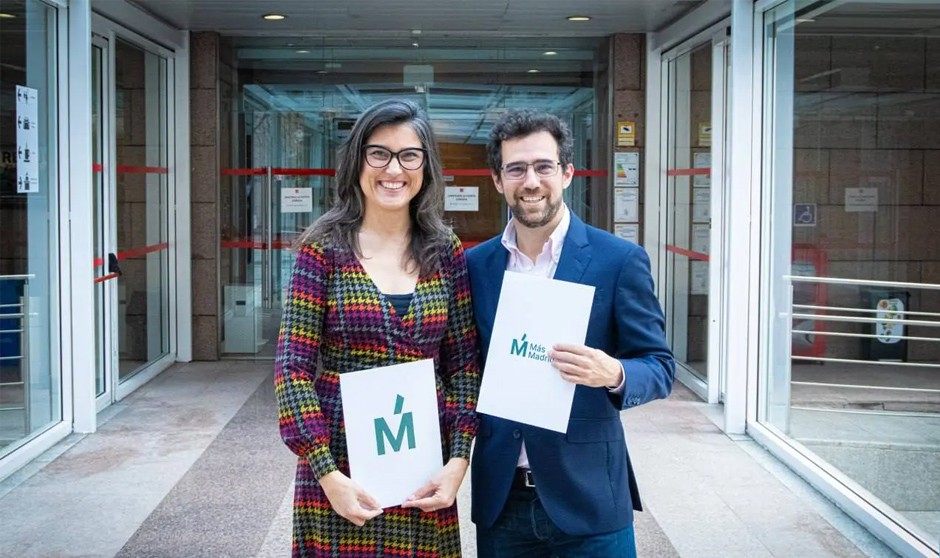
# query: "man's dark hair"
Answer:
x=518 y=123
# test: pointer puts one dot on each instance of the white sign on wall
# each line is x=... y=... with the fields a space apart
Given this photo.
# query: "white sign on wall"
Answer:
x=702 y=161
x=628 y=231
x=627 y=204
x=701 y=238
x=699 y=280
x=859 y=200
x=701 y=205
x=296 y=200
x=627 y=169
x=462 y=198
x=27 y=140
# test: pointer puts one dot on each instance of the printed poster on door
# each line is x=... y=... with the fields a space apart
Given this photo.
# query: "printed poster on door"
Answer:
x=27 y=140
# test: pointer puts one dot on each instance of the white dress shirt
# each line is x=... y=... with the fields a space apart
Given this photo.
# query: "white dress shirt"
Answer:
x=544 y=265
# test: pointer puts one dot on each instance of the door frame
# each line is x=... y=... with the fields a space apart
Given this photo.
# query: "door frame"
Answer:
x=116 y=390
x=662 y=47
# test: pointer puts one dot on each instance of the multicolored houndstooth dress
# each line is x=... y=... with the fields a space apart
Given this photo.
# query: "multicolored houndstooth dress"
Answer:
x=336 y=320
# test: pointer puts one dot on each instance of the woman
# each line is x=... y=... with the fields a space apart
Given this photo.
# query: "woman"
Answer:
x=378 y=280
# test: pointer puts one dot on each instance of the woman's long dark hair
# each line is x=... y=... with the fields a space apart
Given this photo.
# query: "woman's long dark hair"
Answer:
x=430 y=237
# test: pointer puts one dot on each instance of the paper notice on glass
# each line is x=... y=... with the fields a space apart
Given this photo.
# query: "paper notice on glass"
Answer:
x=296 y=200
x=27 y=140
x=627 y=204
x=462 y=198
x=627 y=169
x=519 y=381
x=393 y=431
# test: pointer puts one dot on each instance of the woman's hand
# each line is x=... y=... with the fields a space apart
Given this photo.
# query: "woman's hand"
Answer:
x=348 y=499
x=441 y=491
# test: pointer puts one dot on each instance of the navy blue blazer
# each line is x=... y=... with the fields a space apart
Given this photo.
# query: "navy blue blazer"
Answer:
x=583 y=477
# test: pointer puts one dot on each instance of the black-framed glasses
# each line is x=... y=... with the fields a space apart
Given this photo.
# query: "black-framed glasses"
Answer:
x=379 y=157
x=543 y=168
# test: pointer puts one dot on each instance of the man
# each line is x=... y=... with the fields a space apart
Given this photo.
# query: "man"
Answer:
x=537 y=492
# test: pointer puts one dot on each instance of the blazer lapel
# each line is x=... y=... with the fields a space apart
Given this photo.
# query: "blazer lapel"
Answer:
x=575 y=253
x=495 y=268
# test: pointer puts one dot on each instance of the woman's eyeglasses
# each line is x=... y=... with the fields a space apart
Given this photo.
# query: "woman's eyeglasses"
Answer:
x=379 y=157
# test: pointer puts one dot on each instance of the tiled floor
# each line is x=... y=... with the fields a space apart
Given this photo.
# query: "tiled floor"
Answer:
x=192 y=465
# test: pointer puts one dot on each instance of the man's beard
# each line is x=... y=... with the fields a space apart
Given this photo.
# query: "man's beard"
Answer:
x=526 y=218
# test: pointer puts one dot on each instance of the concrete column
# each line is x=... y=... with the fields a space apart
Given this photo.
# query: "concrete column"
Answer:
x=205 y=173
x=629 y=102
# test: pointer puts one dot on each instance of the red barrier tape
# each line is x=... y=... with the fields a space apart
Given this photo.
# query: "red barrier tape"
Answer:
x=107 y=277
x=122 y=169
x=688 y=172
x=332 y=172
x=699 y=256
x=127 y=254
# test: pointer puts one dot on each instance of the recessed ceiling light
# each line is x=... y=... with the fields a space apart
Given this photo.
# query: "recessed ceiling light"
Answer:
x=415 y=31
x=415 y=45
x=274 y=17
x=579 y=18
x=549 y=53
x=7 y=16
x=805 y=20
x=533 y=71
x=302 y=51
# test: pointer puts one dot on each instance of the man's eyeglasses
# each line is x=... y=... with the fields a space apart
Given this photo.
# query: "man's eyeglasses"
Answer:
x=409 y=159
x=517 y=171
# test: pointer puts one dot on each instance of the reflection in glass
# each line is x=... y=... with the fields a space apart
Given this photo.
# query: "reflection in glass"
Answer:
x=30 y=380
x=140 y=198
x=688 y=201
x=854 y=374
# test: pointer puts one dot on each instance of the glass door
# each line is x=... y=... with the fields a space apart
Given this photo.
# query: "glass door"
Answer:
x=280 y=191
x=105 y=272
x=694 y=78
x=131 y=212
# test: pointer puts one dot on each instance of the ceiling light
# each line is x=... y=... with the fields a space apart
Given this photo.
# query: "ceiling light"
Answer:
x=533 y=71
x=274 y=17
x=7 y=16
x=579 y=18
x=549 y=53
x=302 y=51
x=415 y=31
x=805 y=20
x=415 y=45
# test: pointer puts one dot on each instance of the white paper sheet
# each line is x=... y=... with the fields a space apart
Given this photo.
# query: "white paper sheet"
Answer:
x=393 y=431
x=519 y=381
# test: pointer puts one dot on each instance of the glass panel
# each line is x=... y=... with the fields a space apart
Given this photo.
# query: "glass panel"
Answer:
x=30 y=380
x=688 y=202
x=283 y=118
x=140 y=202
x=854 y=377
x=101 y=265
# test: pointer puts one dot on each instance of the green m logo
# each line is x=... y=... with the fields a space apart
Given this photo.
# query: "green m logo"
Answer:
x=405 y=428
x=520 y=346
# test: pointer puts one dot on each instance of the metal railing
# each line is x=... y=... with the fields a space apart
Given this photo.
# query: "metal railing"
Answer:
x=820 y=311
x=18 y=311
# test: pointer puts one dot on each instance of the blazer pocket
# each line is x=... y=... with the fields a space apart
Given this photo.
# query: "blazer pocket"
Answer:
x=582 y=431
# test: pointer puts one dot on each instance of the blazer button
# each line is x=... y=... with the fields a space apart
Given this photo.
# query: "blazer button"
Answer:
x=517 y=434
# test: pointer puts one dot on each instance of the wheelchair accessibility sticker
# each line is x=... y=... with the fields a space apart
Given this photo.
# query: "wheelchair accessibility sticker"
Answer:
x=804 y=215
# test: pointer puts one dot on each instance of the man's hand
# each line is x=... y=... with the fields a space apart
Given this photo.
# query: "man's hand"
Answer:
x=586 y=366
x=441 y=491
x=348 y=499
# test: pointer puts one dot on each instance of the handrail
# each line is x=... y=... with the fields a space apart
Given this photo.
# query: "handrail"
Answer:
x=19 y=277
x=864 y=310
x=860 y=282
